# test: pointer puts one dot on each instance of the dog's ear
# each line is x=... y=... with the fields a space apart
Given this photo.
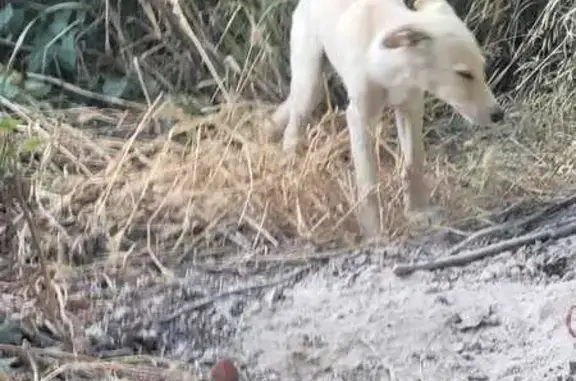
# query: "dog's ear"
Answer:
x=404 y=37
x=439 y=6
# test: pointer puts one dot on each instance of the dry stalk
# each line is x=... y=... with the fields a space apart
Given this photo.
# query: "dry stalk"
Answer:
x=49 y=298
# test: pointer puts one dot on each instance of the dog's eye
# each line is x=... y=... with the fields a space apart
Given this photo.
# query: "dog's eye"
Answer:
x=466 y=75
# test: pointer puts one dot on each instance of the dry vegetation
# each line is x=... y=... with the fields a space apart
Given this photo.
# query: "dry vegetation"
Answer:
x=168 y=180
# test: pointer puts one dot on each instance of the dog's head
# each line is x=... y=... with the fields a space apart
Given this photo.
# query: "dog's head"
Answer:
x=436 y=52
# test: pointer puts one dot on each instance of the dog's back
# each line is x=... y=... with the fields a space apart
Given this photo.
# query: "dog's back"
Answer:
x=350 y=23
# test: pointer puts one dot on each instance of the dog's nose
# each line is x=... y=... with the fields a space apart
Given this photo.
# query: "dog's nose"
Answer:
x=497 y=115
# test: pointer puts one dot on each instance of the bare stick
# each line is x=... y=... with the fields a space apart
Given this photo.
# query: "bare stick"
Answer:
x=212 y=298
x=513 y=224
x=491 y=250
x=86 y=93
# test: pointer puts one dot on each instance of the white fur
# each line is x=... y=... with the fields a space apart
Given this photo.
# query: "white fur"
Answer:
x=427 y=50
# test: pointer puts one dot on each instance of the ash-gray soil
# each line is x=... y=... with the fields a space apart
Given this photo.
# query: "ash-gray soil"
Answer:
x=350 y=318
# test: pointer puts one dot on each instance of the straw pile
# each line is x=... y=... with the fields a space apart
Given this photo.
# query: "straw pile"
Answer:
x=214 y=181
x=113 y=184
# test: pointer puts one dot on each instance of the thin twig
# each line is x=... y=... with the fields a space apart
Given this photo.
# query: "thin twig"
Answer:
x=183 y=25
x=31 y=360
x=86 y=93
x=491 y=250
x=212 y=298
x=49 y=298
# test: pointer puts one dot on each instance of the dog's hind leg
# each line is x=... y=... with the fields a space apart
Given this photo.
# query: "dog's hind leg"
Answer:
x=305 y=84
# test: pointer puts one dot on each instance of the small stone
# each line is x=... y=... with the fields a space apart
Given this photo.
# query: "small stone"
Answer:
x=224 y=370
x=455 y=319
x=442 y=300
x=555 y=266
x=237 y=308
x=477 y=377
x=360 y=259
x=572 y=368
x=459 y=347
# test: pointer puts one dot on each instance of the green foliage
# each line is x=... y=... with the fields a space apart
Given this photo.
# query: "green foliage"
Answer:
x=8 y=125
x=51 y=32
x=8 y=153
x=7 y=89
x=135 y=47
x=115 y=85
x=37 y=89
x=11 y=147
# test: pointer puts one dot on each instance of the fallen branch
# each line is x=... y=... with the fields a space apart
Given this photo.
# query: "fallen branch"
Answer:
x=516 y=224
x=491 y=250
x=212 y=298
x=86 y=93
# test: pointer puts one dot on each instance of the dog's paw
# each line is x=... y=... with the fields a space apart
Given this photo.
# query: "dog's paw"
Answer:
x=291 y=146
x=272 y=132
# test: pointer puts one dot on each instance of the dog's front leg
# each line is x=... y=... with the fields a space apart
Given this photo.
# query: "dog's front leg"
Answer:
x=358 y=118
x=409 y=124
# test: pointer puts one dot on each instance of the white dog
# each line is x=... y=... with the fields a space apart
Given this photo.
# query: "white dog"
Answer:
x=386 y=54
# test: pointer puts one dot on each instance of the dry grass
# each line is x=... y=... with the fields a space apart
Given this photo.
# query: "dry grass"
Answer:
x=213 y=181
x=211 y=184
x=239 y=48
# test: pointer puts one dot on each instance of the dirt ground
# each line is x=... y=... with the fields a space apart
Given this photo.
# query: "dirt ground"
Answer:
x=351 y=318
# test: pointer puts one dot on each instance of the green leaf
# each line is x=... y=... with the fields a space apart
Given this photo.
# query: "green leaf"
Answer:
x=115 y=86
x=41 y=58
x=17 y=23
x=67 y=52
x=8 y=124
x=81 y=15
x=60 y=22
x=6 y=15
x=7 y=89
x=41 y=39
x=153 y=86
x=37 y=88
x=7 y=365
x=32 y=144
x=43 y=32
x=10 y=333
